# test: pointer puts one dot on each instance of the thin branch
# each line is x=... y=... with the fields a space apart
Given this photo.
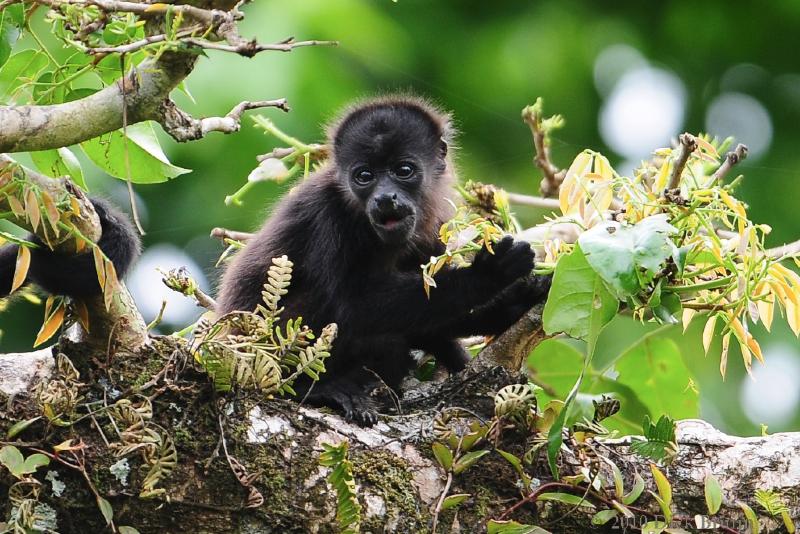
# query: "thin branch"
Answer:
x=535 y=202
x=142 y=43
x=687 y=145
x=553 y=176
x=731 y=158
x=183 y=127
x=789 y=250
x=223 y=234
x=251 y=48
x=211 y=17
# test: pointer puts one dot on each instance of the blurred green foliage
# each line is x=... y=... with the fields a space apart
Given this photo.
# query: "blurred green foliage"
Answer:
x=484 y=61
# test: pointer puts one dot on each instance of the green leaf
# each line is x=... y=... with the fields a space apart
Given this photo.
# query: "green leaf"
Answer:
x=713 y=493
x=19 y=426
x=34 y=462
x=21 y=68
x=59 y=162
x=148 y=163
x=664 y=491
x=468 y=460
x=656 y=371
x=512 y=527
x=619 y=252
x=654 y=527
x=638 y=487
x=752 y=518
x=443 y=455
x=127 y=530
x=604 y=516
x=579 y=302
x=105 y=509
x=566 y=498
x=12 y=459
x=659 y=441
x=454 y=500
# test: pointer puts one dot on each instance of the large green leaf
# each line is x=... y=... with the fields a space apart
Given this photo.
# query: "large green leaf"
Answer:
x=59 y=162
x=579 y=303
x=556 y=364
x=619 y=252
x=148 y=163
x=655 y=370
x=21 y=68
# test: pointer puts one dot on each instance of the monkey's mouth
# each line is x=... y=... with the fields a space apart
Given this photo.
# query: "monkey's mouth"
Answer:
x=393 y=225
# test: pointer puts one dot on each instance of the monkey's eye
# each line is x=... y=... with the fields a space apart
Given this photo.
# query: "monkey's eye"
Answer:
x=363 y=176
x=404 y=171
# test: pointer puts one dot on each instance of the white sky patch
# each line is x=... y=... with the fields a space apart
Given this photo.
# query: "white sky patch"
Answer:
x=743 y=117
x=644 y=111
x=148 y=290
x=612 y=62
x=771 y=397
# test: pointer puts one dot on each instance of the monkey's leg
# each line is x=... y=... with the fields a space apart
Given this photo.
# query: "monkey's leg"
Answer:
x=448 y=352
x=75 y=275
x=8 y=262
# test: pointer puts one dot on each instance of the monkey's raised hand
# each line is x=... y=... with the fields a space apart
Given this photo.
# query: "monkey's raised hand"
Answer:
x=511 y=260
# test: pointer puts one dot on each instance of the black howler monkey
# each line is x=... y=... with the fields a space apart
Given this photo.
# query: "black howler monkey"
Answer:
x=357 y=231
x=75 y=275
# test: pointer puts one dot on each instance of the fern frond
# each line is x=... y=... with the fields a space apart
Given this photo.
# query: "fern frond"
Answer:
x=348 y=509
x=279 y=277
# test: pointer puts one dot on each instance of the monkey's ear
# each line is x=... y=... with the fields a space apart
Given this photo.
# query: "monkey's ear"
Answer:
x=442 y=147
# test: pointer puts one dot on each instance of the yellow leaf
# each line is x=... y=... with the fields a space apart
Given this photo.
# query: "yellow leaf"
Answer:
x=755 y=348
x=111 y=284
x=75 y=206
x=708 y=332
x=21 y=268
x=688 y=315
x=82 y=312
x=51 y=325
x=156 y=8
x=98 y=266
x=51 y=211
x=723 y=358
x=660 y=183
x=16 y=206
x=766 y=310
x=705 y=146
x=32 y=209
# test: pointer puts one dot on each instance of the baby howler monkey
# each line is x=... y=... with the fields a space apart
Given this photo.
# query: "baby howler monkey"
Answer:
x=358 y=230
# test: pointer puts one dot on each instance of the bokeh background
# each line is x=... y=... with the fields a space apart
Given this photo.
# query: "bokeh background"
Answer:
x=627 y=75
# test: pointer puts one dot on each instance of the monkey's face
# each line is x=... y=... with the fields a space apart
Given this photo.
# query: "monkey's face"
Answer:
x=389 y=155
x=389 y=198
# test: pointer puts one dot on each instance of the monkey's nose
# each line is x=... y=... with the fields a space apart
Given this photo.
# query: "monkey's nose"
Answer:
x=386 y=202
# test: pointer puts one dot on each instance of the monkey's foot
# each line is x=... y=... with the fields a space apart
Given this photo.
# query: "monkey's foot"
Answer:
x=351 y=398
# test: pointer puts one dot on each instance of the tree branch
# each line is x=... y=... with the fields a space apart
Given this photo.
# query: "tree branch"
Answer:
x=553 y=176
x=223 y=234
x=250 y=48
x=786 y=251
x=687 y=145
x=30 y=128
x=731 y=159
x=183 y=127
x=534 y=202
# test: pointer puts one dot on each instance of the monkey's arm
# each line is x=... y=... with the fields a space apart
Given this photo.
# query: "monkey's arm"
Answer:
x=456 y=290
x=70 y=274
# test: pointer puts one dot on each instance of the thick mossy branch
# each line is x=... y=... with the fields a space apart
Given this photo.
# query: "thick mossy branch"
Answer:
x=135 y=98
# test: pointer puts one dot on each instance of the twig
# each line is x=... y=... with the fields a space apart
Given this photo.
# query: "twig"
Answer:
x=440 y=502
x=142 y=43
x=223 y=234
x=205 y=300
x=183 y=127
x=251 y=48
x=283 y=152
x=211 y=17
x=553 y=176
x=687 y=145
x=535 y=202
x=731 y=158
x=788 y=250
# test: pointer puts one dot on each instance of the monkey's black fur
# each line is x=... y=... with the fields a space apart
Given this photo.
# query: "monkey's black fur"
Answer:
x=357 y=231
x=75 y=275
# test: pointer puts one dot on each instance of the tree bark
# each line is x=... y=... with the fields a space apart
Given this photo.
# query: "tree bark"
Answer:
x=398 y=480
